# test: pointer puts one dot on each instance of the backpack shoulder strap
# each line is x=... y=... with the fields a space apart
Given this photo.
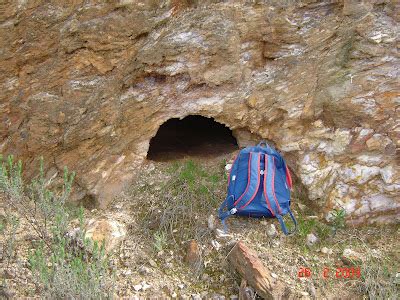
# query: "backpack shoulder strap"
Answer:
x=230 y=205
x=270 y=196
x=253 y=181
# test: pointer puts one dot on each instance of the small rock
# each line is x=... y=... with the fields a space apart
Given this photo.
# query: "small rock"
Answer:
x=152 y=263
x=181 y=286
x=228 y=167
x=137 y=287
x=195 y=297
x=351 y=257
x=274 y=275
x=211 y=222
x=220 y=234
x=311 y=239
x=312 y=291
x=216 y=245
x=174 y=295
x=126 y=272
x=144 y=270
x=271 y=231
x=145 y=285
x=234 y=297
x=107 y=231
x=305 y=294
x=275 y=243
x=326 y=250
x=193 y=255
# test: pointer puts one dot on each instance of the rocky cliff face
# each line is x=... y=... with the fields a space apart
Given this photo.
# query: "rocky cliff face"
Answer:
x=87 y=85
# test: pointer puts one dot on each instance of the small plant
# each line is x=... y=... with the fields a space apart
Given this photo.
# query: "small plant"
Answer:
x=338 y=219
x=65 y=266
x=160 y=241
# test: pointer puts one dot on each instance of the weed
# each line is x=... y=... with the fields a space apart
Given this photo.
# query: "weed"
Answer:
x=378 y=279
x=65 y=267
x=160 y=241
x=338 y=219
x=184 y=202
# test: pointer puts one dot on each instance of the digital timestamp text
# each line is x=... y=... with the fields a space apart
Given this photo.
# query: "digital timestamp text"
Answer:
x=337 y=273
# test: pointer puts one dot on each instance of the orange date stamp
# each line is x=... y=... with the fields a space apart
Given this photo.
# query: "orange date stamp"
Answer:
x=338 y=273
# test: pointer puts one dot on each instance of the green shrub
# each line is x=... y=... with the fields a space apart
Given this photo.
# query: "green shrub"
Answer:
x=65 y=265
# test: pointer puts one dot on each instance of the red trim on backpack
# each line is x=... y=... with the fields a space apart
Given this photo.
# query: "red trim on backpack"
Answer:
x=273 y=185
x=230 y=171
x=265 y=185
x=248 y=181
x=288 y=177
x=258 y=183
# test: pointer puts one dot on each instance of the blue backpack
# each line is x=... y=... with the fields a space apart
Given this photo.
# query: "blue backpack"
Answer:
x=259 y=185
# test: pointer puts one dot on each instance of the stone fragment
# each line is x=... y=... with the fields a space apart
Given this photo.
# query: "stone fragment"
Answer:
x=193 y=255
x=351 y=257
x=220 y=234
x=107 y=231
x=216 y=245
x=271 y=231
x=326 y=250
x=145 y=285
x=311 y=239
x=153 y=263
x=228 y=167
x=144 y=270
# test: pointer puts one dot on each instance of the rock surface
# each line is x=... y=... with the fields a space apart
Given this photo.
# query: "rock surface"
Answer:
x=87 y=85
x=109 y=232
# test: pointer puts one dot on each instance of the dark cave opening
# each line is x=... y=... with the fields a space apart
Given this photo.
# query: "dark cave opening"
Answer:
x=191 y=136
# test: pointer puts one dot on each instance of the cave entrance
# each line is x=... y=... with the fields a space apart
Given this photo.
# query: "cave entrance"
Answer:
x=191 y=136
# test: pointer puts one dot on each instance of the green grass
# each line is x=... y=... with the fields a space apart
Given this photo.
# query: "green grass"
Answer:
x=181 y=207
